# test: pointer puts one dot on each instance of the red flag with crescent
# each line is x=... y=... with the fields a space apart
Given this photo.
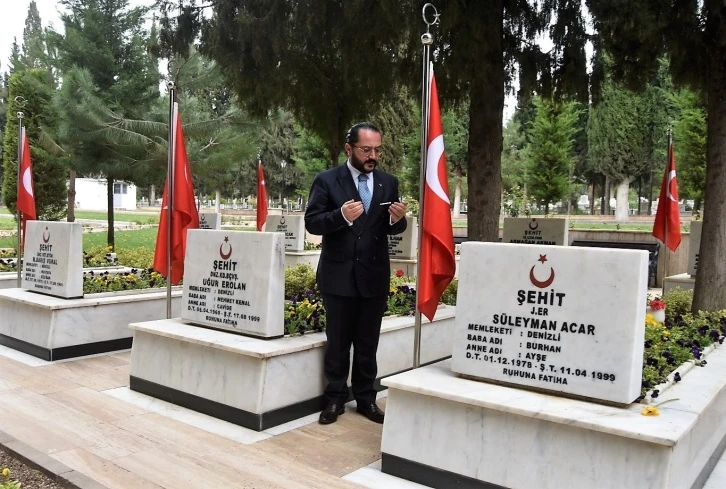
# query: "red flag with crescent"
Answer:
x=667 y=226
x=184 y=209
x=437 y=261
x=261 y=197
x=26 y=187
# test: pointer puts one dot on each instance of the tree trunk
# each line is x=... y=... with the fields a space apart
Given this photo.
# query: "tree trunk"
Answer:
x=650 y=191
x=606 y=192
x=152 y=195
x=622 y=206
x=334 y=144
x=710 y=291
x=217 y=198
x=72 y=196
x=457 y=192
x=484 y=175
x=109 y=193
x=640 y=193
x=591 y=198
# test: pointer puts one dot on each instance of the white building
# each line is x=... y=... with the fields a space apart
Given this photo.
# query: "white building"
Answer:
x=91 y=194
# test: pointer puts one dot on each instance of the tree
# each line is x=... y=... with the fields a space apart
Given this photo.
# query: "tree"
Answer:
x=39 y=116
x=34 y=54
x=103 y=56
x=615 y=135
x=311 y=58
x=550 y=155
x=693 y=35
x=689 y=134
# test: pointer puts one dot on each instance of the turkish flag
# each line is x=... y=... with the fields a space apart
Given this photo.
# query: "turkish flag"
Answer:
x=667 y=226
x=261 y=197
x=26 y=189
x=437 y=262
x=184 y=210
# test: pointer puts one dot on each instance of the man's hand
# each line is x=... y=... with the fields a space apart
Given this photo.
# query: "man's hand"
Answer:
x=352 y=210
x=397 y=210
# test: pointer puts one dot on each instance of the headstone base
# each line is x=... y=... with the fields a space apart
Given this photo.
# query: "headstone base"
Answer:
x=682 y=281
x=259 y=383
x=53 y=328
x=445 y=431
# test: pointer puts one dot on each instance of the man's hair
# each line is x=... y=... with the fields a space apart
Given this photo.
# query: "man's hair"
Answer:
x=352 y=134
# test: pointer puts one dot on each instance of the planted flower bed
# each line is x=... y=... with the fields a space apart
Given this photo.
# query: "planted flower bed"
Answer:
x=677 y=343
x=304 y=310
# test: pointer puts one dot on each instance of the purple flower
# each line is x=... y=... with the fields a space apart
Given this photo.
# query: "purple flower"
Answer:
x=696 y=353
x=702 y=330
x=714 y=335
x=655 y=394
x=648 y=343
x=677 y=377
x=651 y=361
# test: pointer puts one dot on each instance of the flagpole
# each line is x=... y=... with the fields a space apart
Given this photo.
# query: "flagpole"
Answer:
x=169 y=196
x=17 y=208
x=427 y=39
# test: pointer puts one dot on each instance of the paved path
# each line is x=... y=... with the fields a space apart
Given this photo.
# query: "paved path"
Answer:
x=81 y=414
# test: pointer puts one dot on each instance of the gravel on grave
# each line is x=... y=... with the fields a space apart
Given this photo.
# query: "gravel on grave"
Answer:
x=29 y=477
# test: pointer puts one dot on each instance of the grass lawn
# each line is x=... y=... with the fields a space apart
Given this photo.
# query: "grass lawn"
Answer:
x=141 y=238
x=103 y=216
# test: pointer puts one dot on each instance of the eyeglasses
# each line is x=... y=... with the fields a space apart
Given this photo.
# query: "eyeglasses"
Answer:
x=367 y=150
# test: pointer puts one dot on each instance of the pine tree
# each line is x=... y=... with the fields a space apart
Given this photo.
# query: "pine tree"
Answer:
x=550 y=156
x=48 y=172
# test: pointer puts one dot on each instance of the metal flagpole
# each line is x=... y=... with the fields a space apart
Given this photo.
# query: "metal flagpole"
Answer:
x=427 y=39
x=170 y=194
x=19 y=248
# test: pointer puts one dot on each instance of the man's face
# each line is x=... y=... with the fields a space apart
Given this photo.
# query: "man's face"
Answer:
x=364 y=154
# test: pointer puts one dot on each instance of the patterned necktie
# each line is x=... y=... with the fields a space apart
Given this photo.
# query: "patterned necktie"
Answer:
x=365 y=194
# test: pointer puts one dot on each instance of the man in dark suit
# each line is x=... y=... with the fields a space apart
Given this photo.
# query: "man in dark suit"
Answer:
x=354 y=207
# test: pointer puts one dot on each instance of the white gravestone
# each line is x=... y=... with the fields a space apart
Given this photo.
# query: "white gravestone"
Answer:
x=235 y=281
x=293 y=228
x=405 y=245
x=564 y=319
x=694 y=247
x=53 y=260
x=210 y=220
x=524 y=230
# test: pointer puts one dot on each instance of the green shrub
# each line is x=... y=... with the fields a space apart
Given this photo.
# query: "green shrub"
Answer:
x=449 y=295
x=299 y=280
x=136 y=257
x=678 y=302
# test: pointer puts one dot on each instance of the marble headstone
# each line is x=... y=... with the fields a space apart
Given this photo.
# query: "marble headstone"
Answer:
x=293 y=228
x=210 y=220
x=567 y=320
x=524 y=230
x=404 y=246
x=694 y=247
x=53 y=259
x=235 y=281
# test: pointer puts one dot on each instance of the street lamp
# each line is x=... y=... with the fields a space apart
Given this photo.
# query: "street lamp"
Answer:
x=283 y=164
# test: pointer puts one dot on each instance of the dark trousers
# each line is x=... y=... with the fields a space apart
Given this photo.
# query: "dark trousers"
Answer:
x=352 y=321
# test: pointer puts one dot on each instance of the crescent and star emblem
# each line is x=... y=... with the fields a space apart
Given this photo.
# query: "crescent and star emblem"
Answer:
x=202 y=218
x=546 y=283
x=27 y=182
x=282 y=221
x=46 y=239
x=433 y=160
x=533 y=224
x=222 y=254
x=671 y=177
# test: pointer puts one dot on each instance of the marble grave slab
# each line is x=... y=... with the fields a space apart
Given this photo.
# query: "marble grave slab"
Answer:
x=293 y=228
x=53 y=259
x=404 y=246
x=235 y=281
x=523 y=230
x=210 y=220
x=694 y=246
x=566 y=320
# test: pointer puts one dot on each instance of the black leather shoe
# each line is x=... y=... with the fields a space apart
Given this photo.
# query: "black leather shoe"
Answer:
x=330 y=414
x=372 y=412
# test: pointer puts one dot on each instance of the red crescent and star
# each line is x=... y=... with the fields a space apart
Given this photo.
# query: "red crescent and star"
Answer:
x=542 y=284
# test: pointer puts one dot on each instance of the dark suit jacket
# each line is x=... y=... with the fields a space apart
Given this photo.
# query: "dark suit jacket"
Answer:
x=354 y=259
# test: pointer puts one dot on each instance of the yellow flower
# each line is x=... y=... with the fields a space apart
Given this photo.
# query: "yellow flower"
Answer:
x=650 y=411
x=6 y=472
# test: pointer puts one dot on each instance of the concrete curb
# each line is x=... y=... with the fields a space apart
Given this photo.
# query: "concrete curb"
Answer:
x=58 y=472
